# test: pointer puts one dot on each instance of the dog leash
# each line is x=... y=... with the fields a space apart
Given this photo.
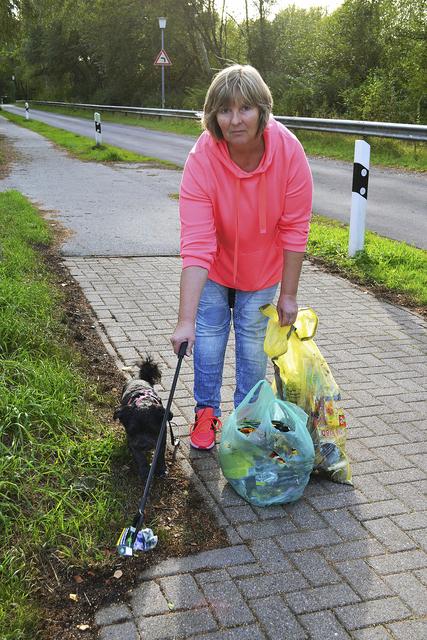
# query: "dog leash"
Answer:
x=129 y=535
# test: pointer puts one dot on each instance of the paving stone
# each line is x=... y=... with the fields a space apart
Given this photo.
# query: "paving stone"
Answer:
x=277 y=620
x=268 y=513
x=353 y=550
x=399 y=562
x=366 y=614
x=369 y=467
x=356 y=450
x=383 y=441
x=269 y=555
x=363 y=579
x=378 y=509
x=414 y=448
x=338 y=487
x=420 y=536
x=182 y=591
x=126 y=631
x=421 y=575
x=372 y=633
x=373 y=489
x=224 y=494
x=410 y=495
x=228 y=605
x=411 y=520
x=268 y=529
x=217 y=575
x=345 y=524
x=242 y=513
x=394 y=456
x=410 y=630
x=327 y=597
x=208 y=462
x=215 y=559
x=389 y=534
x=396 y=477
x=253 y=632
x=113 y=613
x=272 y=584
x=314 y=567
x=147 y=600
x=323 y=625
x=315 y=487
x=309 y=540
x=410 y=590
x=176 y=625
x=323 y=503
x=420 y=485
x=245 y=570
x=304 y=516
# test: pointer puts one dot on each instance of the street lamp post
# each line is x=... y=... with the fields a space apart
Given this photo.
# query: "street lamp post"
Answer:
x=162 y=25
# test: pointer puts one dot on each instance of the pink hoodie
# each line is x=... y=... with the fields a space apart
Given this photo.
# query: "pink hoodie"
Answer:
x=236 y=223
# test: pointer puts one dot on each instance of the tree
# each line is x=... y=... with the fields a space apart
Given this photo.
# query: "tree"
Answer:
x=294 y=65
x=350 y=50
x=367 y=59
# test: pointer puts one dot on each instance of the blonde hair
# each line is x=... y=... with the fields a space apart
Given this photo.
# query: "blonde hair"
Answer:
x=241 y=84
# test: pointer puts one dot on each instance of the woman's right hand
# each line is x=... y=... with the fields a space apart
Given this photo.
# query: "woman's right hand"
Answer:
x=184 y=332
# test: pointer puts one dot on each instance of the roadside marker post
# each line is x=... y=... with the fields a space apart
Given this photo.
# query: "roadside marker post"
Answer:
x=27 y=111
x=98 y=134
x=359 y=197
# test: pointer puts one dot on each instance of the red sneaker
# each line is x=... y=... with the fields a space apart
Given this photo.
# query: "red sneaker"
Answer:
x=202 y=432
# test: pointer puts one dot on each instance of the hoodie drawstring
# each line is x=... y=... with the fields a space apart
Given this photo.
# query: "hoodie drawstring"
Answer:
x=236 y=238
x=262 y=216
x=262 y=204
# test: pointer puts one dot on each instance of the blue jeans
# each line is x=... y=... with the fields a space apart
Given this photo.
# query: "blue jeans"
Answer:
x=213 y=323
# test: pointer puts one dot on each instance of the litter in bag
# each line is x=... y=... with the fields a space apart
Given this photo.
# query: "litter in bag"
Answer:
x=302 y=376
x=266 y=452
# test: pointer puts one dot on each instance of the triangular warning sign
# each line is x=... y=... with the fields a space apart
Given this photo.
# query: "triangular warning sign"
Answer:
x=162 y=58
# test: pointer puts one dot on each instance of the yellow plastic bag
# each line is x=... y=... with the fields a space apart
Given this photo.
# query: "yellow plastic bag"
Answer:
x=302 y=376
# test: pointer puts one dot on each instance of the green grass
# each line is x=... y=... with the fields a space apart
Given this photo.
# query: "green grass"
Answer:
x=82 y=147
x=384 y=151
x=60 y=499
x=386 y=265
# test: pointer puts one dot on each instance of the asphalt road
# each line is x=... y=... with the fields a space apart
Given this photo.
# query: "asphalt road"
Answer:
x=108 y=209
x=397 y=201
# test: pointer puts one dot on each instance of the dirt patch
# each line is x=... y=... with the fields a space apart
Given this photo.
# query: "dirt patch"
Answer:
x=175 y=506
x=73 y=598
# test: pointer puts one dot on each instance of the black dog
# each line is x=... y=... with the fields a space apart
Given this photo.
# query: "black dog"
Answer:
x=141 y=413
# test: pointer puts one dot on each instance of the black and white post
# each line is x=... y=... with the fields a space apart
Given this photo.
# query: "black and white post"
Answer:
x=359 y=197
x=98 y=134
x=27 y=111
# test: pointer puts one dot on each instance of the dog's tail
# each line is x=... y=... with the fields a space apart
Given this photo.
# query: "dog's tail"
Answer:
x=149 y=371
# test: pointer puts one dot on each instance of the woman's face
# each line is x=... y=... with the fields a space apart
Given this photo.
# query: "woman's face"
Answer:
x=238 y=123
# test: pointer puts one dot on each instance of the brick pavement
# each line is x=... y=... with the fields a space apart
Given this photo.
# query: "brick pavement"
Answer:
x=340 y=563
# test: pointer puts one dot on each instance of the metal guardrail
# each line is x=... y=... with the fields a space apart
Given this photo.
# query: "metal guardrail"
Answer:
x=411 y=132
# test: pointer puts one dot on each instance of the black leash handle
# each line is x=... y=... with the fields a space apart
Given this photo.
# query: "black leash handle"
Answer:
x=139 y=518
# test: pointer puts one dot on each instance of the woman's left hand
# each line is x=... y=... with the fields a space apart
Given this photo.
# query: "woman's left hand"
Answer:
x=287 y=309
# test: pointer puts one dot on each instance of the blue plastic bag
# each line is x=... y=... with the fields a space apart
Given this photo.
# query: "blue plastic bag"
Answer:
x=266 y=452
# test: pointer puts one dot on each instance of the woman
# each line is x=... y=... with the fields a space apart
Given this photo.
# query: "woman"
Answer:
x=245 y=205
